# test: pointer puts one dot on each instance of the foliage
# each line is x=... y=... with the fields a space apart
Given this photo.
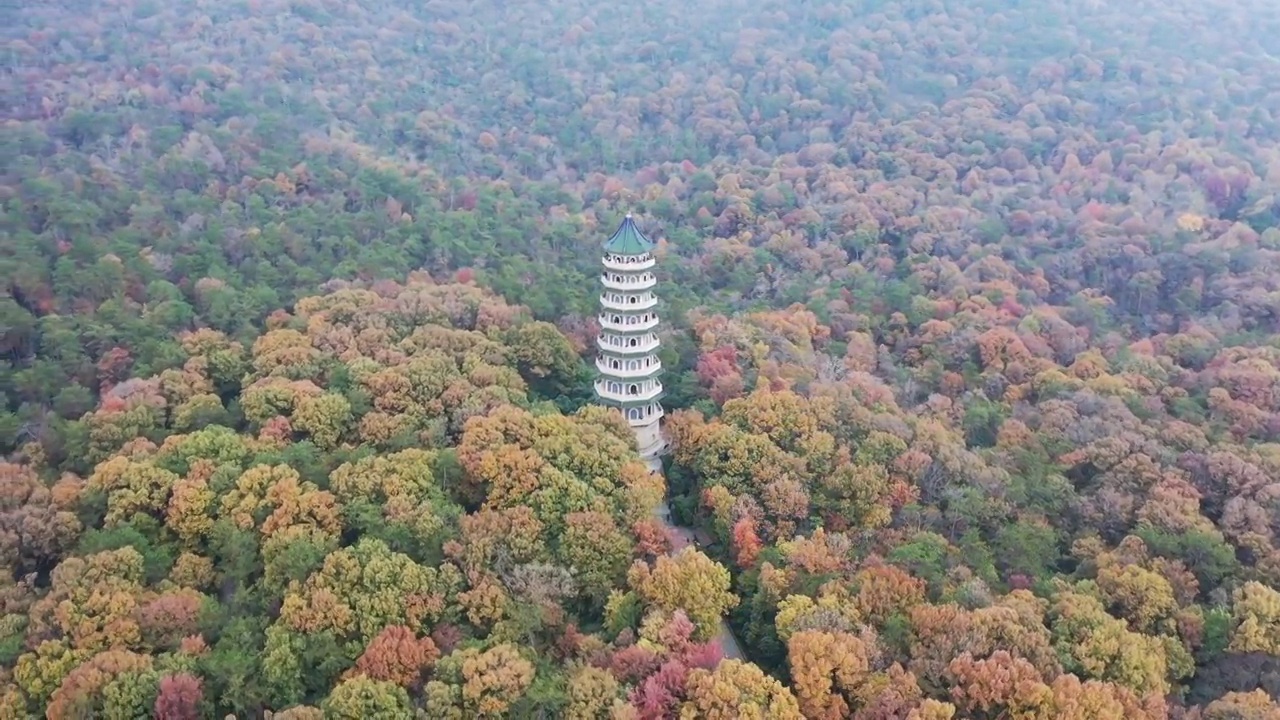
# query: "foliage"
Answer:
x=970 y=341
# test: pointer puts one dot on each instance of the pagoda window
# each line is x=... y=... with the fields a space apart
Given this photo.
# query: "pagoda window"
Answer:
x=616 y=318
x=615 y=387
x=632 y=342
x=634 y=413
x=613 y=364
x=633 y=389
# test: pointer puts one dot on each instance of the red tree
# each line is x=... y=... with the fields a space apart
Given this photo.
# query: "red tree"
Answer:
x=179 y=697
x=746 y=543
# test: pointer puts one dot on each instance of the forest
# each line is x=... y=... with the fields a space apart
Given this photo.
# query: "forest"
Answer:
x=971 y=328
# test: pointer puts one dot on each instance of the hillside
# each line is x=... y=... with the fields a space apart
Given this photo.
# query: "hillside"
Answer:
x=972 y=337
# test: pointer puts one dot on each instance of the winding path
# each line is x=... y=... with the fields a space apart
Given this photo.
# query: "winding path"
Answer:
x=683 y=537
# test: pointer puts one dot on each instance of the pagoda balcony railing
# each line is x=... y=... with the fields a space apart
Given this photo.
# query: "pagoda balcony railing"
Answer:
x=643 y=420
x=614 y=281
x=643 y=393
x=640 y=324
x=629 y=263
x=628 y=368
x=641 y=415
x=613 y=344
x=614 y=301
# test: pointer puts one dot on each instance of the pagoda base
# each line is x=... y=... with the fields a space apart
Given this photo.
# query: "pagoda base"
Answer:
x=652 y=447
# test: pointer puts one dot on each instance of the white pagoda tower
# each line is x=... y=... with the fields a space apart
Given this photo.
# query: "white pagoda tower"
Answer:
x=628 y=342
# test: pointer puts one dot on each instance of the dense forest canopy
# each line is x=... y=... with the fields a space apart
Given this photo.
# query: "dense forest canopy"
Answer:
x=971 y=336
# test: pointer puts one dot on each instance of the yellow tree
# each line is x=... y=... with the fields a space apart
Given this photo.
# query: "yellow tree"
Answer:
x=92 y=601
x=689 y=581
x=597 y=551
x=1256 y=612
x=364 y=588
x=1103 y=648
x=274 y=497
x=1243 y=706
x=472 y=683
x=224 y=359
x=285 y=353
x=593 y=694
x=190 y=508
x=1141 y=596
x=736 y=690
x=826 y=671
x=131 y=486
x=362 y=697
x=326 y=418
x=556 y=464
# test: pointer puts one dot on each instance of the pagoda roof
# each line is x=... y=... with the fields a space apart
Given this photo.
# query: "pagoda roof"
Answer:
x=628 y=240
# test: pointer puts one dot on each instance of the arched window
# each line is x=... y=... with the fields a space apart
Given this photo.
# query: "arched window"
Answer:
x=633 y=389
x=634 y=413
x=632 y=342
x=613 y=364
x=616 y=318
x=615 y=387
x=632 y=299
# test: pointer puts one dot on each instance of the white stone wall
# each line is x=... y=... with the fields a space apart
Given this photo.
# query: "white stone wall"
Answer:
x=648 y=437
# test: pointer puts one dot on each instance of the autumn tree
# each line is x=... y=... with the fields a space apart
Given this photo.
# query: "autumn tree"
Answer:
x=481 y=684
x=179 y=697
x=1256 y=613
x=737 y=690
x=688 y=581
x=397 y=655
x=37 y=523
x=827 y=670
x=362 y=697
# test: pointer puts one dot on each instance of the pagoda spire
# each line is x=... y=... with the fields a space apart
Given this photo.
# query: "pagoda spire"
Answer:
x=627 y=359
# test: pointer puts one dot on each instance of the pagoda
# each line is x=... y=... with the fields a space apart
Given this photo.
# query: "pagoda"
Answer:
x=628 y=343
